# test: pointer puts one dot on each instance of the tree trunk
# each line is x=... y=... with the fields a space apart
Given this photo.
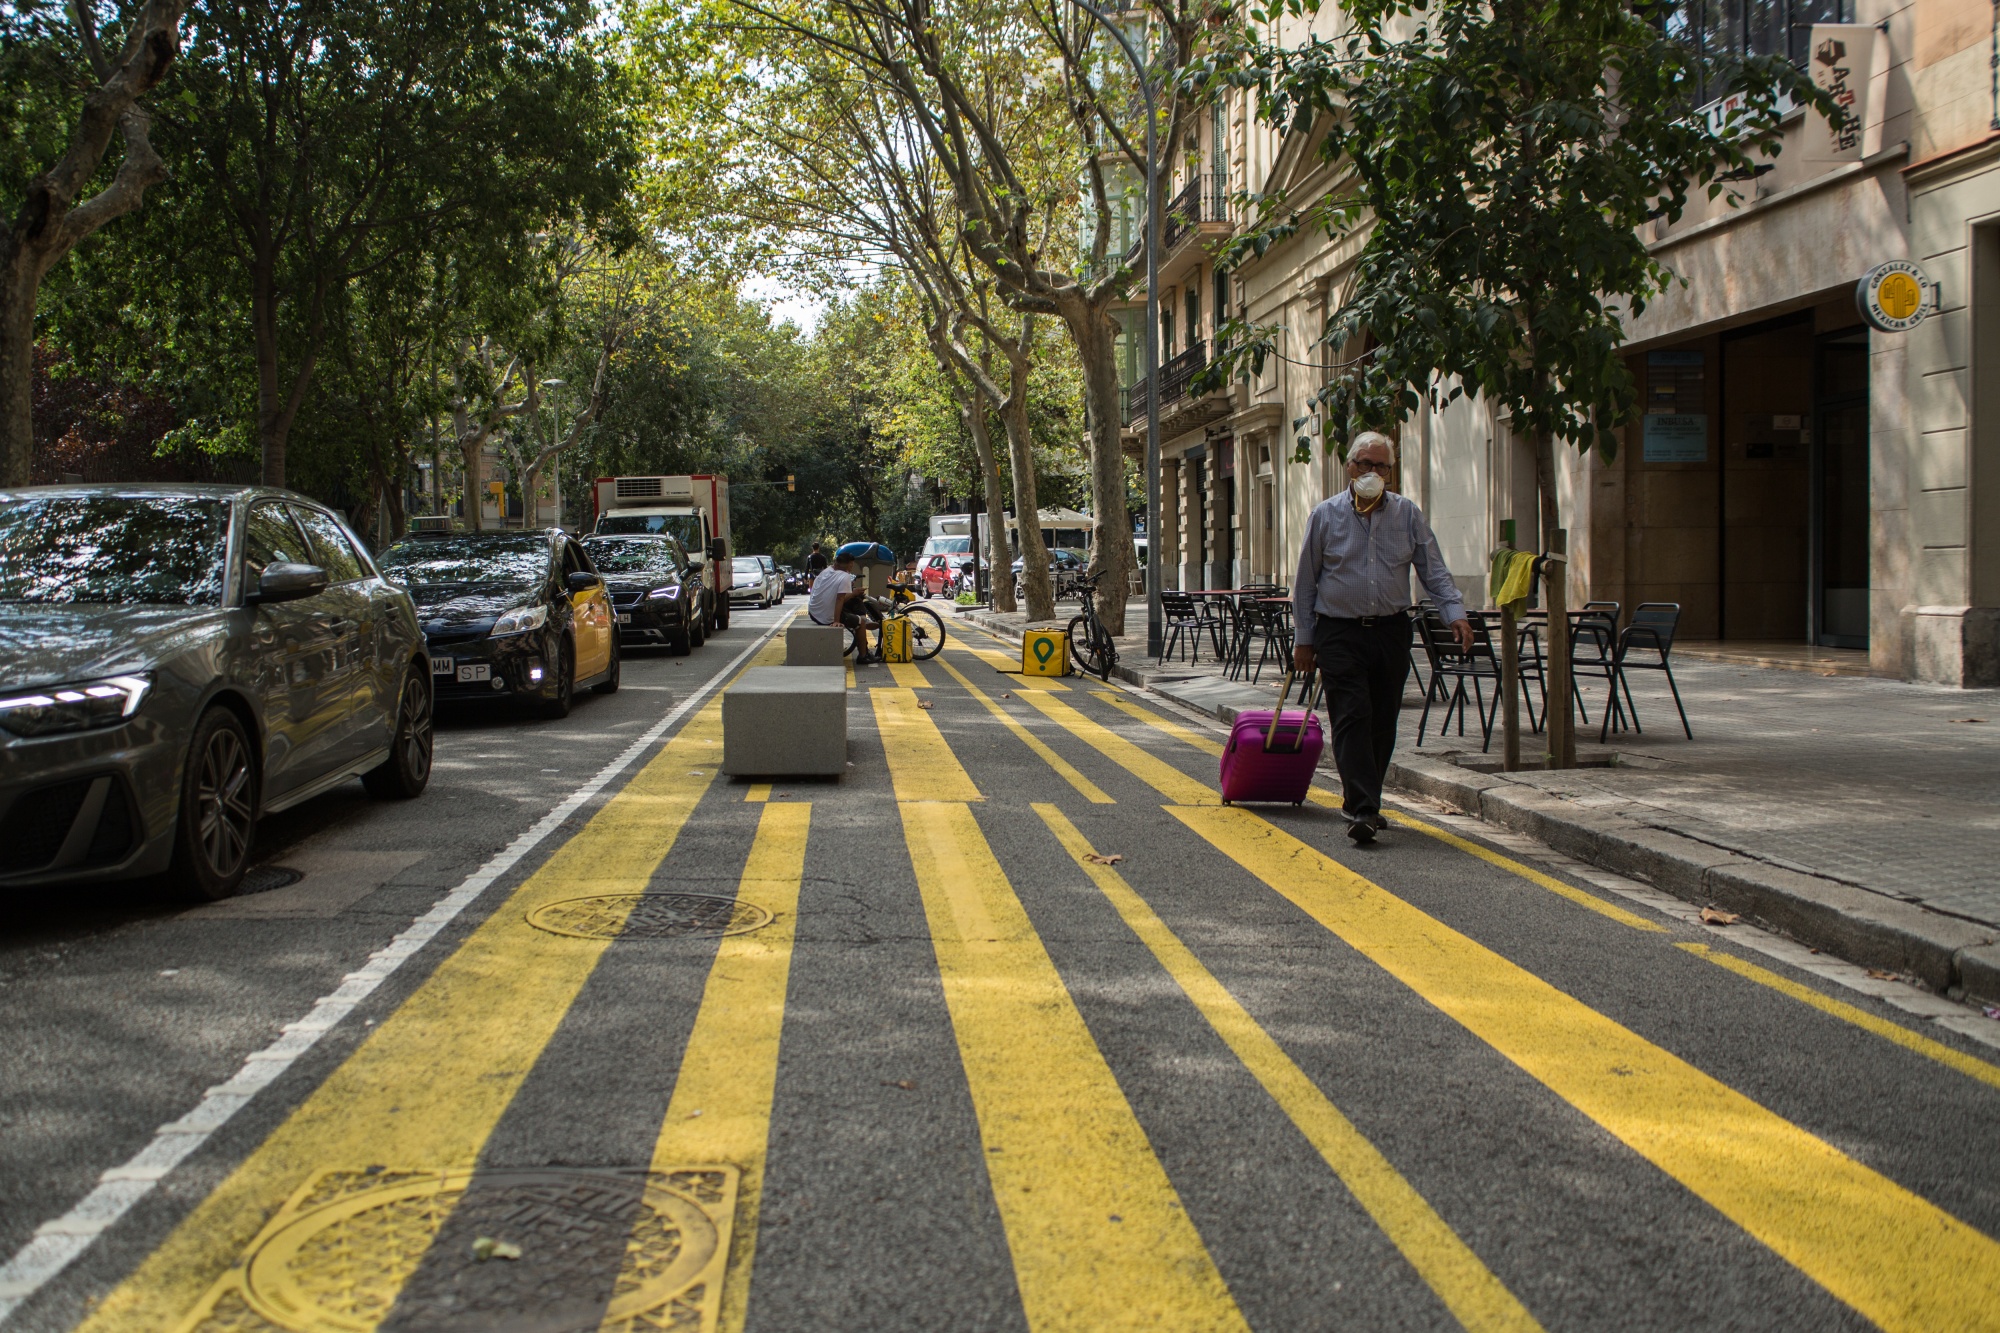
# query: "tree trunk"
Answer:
x=1561 y=713
x=1112 y=557
x=974 y=408
x=472 y=457
x=19 y=286
x=1027 y=518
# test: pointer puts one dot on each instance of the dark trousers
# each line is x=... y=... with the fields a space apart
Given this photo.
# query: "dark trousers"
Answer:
x=1363 y=667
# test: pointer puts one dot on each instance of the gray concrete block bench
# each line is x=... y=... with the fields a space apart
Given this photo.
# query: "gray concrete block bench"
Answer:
x=788 y=721
x=809 y=645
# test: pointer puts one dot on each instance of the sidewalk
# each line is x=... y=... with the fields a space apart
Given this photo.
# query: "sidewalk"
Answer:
x=1856 y=814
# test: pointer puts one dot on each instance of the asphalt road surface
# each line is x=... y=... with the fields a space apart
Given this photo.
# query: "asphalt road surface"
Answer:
x=1014 y=1026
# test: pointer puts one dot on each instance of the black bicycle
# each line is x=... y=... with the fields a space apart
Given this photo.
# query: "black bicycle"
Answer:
x=1090 y=644
x=926 y=626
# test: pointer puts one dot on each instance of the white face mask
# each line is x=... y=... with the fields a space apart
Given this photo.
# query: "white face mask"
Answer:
x=1368 y=487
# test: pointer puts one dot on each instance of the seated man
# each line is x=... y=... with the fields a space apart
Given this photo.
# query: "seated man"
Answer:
x=837 y=599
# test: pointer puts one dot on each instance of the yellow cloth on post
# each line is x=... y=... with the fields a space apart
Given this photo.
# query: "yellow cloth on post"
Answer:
x=1512 y=576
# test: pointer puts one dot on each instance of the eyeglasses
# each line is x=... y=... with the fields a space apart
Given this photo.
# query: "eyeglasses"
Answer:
x=1369 y=465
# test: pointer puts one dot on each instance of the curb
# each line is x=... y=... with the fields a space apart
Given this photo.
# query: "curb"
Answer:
x=1948 y=954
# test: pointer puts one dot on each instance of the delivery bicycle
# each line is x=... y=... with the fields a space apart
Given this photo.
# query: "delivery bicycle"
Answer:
x=927 y=632
x=1090 y=644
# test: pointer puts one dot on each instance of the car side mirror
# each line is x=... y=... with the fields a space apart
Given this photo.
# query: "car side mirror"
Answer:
x=580 y=580
x=284 y=582
x=718 y=549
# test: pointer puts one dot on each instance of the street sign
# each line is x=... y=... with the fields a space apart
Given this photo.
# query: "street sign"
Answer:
x=1894 y=297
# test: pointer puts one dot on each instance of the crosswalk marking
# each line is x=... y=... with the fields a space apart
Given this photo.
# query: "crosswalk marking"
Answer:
x=1011 y=666
x=1970 y=1065
x=921 y=762
x=759 y=791
x=721 y=1107
x=907 y=675
x=1155 y=772
x=1207 y=744
x=1098 y=1235
x=429 y=1084
x=1067 y=771
x=1467 y=1287
x=1890 y=1254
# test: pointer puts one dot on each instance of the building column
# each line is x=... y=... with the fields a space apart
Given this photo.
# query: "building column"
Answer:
x=1167 y=545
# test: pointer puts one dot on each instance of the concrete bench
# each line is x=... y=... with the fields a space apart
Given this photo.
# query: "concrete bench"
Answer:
x=810 y=645
x=785 y=721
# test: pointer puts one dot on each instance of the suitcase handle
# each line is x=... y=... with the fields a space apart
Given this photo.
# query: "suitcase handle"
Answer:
x=1308 y=703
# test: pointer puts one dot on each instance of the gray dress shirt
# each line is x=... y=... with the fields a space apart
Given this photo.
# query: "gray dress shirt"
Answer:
x=1354 y=565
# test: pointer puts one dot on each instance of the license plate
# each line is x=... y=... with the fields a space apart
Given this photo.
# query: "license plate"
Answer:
x=624 y=617
x=479 y=672
x=441 y=666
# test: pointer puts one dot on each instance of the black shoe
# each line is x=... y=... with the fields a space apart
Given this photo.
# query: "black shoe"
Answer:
x=1362 y=831
x=1381 y=823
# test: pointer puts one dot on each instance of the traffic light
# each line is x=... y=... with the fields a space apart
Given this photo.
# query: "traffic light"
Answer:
x=791 y=482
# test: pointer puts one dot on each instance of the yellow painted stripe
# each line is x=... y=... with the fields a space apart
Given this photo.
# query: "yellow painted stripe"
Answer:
x=721 y=1107
x=1089 y=790
x=1890 y=1254
x=908 y=676
x=920 y=761
x=850 y=673
x=1969 y=1065
x=1098 y=1236
x=1155 y=772
x=759 y=791
x=1152 y=719
x=427 y=1086
x=1320 y=796
x=1466 y=1286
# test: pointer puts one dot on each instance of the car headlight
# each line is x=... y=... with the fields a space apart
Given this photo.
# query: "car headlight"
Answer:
x=81 y=707
x=669 y=591
x=520 y=620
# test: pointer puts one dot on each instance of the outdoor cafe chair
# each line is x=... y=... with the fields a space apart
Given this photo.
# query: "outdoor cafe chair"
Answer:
x=1448 y=664
x=1593 y=651
x=1184 y=626
x=1651 y=632
x=1264 y=626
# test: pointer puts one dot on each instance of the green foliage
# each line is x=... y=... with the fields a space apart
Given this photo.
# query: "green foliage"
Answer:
x=1501 y=156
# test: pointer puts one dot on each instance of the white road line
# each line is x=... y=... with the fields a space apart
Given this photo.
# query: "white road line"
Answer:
x=56 y=1244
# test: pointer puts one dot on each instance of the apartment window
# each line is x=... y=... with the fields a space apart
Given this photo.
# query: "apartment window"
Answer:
x=1166 y=333
x=1723 y=32
x=1193 y=312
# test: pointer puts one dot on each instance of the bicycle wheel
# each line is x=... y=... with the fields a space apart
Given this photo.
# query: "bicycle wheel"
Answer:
x=926 y=632
x=1083 y=646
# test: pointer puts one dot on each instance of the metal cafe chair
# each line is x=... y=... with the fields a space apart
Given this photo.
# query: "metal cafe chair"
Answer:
x=1184 y=626
x=1651 y=631
x=1593 y=651
x=1447 y=663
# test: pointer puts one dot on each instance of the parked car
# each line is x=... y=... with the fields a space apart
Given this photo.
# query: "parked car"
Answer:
x=795 y=580
x=656 y=592
x=1064 y=567
x=180 y=661
x=939 y=573
x=754 y=579
x=510 y=615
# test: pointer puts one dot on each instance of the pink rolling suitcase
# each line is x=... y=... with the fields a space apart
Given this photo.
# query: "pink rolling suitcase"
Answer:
x=1271 y=753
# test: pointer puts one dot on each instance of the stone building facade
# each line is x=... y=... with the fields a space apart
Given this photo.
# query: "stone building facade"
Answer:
x=1797 y=477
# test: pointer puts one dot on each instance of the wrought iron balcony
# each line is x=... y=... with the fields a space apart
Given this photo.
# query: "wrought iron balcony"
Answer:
x=1174 y=377
x=1205 y=198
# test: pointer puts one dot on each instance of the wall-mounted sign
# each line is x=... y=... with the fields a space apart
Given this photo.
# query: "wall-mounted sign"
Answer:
x=1843 y=66
x=1680 y=437
x=1895 y=296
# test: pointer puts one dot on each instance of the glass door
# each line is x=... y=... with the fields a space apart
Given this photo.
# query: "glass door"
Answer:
x=1840 y=498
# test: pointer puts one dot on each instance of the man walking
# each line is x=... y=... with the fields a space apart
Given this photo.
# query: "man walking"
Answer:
x=815 y=564
x=1351 y=614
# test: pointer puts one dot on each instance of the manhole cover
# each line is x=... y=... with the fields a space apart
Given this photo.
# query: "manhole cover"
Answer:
x=599 y=1249
x=648 y=916
x=262 y=879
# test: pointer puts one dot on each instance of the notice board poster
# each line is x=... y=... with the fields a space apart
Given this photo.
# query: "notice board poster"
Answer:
x=1680 y=437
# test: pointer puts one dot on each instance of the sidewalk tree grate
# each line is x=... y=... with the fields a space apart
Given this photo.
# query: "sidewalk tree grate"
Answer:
x=598 y=1248
x=648 y=916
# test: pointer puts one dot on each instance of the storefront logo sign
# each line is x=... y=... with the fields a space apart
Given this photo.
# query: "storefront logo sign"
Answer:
x=1679 y=437
x=1895 y=296
x=1843 y=67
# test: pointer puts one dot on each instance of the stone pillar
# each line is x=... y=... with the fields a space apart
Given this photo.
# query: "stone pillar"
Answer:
x=1168 y=545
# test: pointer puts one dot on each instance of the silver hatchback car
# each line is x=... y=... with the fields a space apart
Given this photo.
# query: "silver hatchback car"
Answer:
x=176 y=661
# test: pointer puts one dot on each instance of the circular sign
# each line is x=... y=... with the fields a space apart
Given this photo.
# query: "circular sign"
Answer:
x=1893 y=296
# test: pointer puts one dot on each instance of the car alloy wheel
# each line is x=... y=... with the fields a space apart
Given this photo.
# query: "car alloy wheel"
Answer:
x=565 y=683
x=407 y=770
x=218 y=818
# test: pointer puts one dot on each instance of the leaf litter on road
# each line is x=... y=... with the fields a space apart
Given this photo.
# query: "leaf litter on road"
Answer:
x=1096 y=859
x=1715 y=916
x=485 y=1247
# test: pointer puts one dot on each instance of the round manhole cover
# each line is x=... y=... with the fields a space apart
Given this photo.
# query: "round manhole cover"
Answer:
x=648 y=916
x=262 y=879
x=596 y=1248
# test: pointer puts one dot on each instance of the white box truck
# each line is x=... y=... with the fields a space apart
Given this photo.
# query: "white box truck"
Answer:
x=694 y=508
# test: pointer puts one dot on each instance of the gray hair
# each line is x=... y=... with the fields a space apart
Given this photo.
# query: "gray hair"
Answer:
x=1368 y=437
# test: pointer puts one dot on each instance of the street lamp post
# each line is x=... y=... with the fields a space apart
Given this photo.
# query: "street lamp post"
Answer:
x=1155 y=616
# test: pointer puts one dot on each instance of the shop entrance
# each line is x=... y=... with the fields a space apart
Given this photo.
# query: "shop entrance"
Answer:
x=1765 y=483
x=1840 y=508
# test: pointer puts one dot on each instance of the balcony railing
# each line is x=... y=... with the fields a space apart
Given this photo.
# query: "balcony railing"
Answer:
x=1174 y=377
x=1205 y=198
